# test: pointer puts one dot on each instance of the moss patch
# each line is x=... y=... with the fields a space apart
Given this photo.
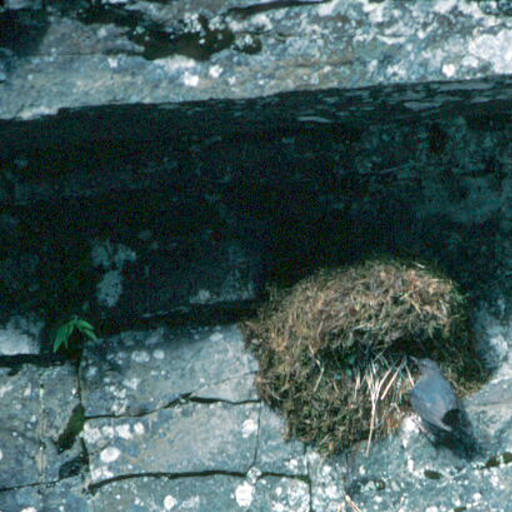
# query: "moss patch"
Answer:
x=332 y=349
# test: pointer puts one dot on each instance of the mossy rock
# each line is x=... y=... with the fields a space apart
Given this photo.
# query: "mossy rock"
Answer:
x=332 y=349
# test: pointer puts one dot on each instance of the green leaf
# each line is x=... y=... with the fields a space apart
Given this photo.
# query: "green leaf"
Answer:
x=62 y=335
x=89 y=333
x=83 y=324
x=66 y=330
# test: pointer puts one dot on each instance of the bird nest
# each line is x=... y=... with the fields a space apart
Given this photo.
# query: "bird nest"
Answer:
x=332 y=349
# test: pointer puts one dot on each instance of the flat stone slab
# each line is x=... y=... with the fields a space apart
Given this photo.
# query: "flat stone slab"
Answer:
x=210 y=493
x=68 y=494
x=275 y=454
x=188 y=438
x=209 y=454
x=37 y=404
x=215 y=493
x=139 y=372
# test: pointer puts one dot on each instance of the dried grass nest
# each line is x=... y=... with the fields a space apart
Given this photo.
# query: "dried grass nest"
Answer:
x=332 y=349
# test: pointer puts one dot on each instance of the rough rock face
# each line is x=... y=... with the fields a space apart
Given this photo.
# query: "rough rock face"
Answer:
x=168 y=419
x=182 y=214
x=389 y=133
x=76 y=53
x=160 y=162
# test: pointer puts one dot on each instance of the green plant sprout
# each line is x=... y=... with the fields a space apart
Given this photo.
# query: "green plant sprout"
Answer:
x=65 y=331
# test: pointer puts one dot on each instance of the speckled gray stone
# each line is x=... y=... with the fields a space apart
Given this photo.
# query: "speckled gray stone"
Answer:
x=213 y=455
x=188 y=438
x=37 y=405
x=68 y=494
x=21 y=335
x=275 y=454
x=288 y=46
x=215 y=493
x=327 y=476
x=138 y=372
x=422 y=478
x=281 y=493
